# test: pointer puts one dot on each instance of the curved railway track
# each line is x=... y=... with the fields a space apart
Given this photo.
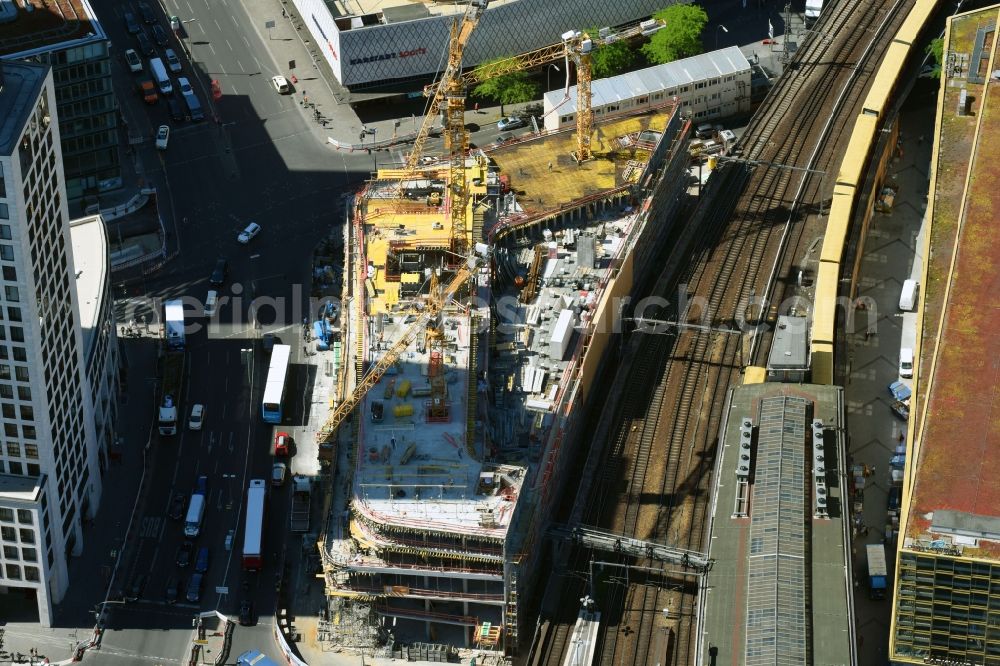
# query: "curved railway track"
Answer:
x=661 y=450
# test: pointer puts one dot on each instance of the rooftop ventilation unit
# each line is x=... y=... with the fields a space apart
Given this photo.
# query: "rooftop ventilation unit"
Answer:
x=743 y=463
x=819 y=471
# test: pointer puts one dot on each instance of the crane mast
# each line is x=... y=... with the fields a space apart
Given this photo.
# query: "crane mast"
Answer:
x=450 y=92
x=576 y=46
x=436 y=303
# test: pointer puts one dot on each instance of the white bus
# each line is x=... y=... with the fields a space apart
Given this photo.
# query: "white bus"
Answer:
x=274 y=389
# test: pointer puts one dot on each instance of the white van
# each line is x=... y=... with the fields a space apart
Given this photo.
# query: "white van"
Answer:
x=210 y=302
x=160 y=74
x=905 y=362
x=908 y=295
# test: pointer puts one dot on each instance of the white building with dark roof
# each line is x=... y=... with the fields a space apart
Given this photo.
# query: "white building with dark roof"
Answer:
x=709 y=85
x=374 y=43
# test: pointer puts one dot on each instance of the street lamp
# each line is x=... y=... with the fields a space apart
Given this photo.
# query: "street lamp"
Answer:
x=724 y=29
x=548 y=74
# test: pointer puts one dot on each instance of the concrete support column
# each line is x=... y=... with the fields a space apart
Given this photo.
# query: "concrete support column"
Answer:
x=427 y=607
x=465 y=611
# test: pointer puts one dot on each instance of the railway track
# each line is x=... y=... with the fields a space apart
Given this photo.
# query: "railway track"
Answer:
x=662 y=447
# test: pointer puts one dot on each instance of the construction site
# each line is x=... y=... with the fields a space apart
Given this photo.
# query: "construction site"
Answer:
x=485 y=288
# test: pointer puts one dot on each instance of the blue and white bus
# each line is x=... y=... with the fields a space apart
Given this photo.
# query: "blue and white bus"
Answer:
x=274 y=390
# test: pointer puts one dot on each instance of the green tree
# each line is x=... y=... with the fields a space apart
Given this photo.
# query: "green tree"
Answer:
x=610 y=59
x=936 y=51
x=681 y=35
x=510 y=88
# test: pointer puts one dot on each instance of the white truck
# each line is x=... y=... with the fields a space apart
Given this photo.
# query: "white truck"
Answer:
x=170 y=391
x=173 y=324
x=196 y=511
x=301 y=492
x=878 y=572
x=813 y=10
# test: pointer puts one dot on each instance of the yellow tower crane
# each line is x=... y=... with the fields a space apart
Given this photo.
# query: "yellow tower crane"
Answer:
x=436 y=302
x=576 y=46
x=450 y=92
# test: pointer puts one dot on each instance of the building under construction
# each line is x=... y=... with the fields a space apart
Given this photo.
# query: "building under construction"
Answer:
x=461 y=448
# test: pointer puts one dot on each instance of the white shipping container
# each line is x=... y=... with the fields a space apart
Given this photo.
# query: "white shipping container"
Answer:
x=561 y=334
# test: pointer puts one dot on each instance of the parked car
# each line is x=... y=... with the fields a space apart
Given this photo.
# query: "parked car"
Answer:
x=211 y=302
x=173 y=62
x=246 y=613
x=176 y=109
x=160 y=35
x=131 y=24
x=511 y=123
x=899 y=390
x=184 y=85
x=282 y=444
x=133 y=60
x=906 y=362
x=218 y=276
x=278 y=474
x=197 y=418
x=194 y=588
x=145 y=43
x=184 y=553
x=249 y=233
x=147 y=13
x=201 y=562
x=173 y=589
x=177 y=505
x=281 y=84
x=163 y=137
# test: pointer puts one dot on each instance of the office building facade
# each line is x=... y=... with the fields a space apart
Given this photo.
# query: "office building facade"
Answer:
x=49 y=464
x=80 y=55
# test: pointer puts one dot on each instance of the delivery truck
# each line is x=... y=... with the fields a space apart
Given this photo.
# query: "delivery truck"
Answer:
x=196 y=508
x=878 y=575
x=173 y=324
x=301 y=500
x=172 y=379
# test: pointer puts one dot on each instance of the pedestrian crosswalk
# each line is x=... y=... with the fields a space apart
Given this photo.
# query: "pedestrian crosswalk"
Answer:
x=151 y=527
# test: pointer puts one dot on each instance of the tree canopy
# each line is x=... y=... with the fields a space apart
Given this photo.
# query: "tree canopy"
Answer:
x=513 y=88
x=681 y=35
x=936 y=51
x=610 y=59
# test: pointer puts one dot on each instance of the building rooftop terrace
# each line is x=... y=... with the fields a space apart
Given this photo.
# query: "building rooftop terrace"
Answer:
x=48 y=24
x=958 y=432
